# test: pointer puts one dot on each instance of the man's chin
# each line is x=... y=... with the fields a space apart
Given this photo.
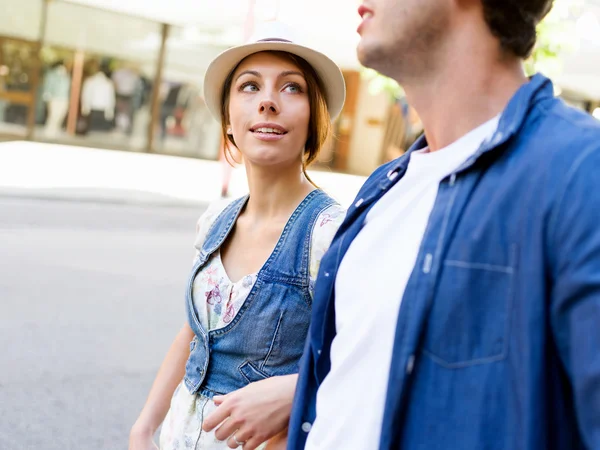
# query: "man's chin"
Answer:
x=368 y=55
x=362 y=53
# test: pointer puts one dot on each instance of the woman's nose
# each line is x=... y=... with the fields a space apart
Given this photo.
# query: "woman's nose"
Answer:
x=268 y=106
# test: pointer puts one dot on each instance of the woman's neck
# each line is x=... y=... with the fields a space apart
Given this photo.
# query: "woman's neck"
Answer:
x=275 y=192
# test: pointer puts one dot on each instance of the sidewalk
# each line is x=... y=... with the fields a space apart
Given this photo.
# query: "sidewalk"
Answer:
x=54 y=171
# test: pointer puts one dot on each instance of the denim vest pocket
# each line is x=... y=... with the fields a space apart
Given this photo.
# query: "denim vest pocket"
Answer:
x=251 y=373
x=469 y=318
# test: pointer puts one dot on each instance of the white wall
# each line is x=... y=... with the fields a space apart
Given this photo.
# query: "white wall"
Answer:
x=328 y=25
x=103 y=32
x=365 y=147
x=21 y=18
x=207 y=13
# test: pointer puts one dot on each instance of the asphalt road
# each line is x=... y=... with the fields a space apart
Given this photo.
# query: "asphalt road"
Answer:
x=91 y=296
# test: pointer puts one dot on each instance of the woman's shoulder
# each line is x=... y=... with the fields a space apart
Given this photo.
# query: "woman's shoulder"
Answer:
x=327 y=223
x=208 y=218
x=334 y=213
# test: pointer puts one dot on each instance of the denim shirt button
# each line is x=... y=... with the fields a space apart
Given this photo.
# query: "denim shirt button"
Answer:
x=427 y=263
x=306 y=427
x=319 y=352
x=452 y=179
x=359 y=202
x=410 y=365
x=392 y=174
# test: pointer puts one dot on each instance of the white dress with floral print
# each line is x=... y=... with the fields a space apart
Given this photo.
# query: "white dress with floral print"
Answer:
x=217 y=300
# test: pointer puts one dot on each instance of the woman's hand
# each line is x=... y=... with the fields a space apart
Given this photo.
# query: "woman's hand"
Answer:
x=255 y=413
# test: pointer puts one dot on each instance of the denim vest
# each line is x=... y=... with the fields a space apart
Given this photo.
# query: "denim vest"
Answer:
x=266 y=338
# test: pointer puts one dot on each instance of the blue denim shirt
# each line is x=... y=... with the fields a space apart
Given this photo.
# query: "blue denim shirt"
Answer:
x=498 y=338
x=266 y=337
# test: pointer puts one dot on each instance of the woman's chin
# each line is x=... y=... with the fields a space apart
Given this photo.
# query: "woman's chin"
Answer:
x=269 y=157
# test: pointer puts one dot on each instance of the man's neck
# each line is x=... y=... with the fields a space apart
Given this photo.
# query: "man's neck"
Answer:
x=463 y=92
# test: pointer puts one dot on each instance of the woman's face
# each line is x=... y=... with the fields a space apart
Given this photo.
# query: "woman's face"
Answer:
x=269 y=110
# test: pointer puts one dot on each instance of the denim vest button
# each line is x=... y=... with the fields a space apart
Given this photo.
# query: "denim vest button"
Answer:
x=306 y=427
x=319 y=352
x=326 y=274
x=410 y=365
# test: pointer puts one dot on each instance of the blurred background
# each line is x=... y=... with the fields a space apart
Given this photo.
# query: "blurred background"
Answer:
x=108 y=156
x=127 y=74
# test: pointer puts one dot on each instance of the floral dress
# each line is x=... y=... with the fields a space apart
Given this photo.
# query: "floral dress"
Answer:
x=217 y=300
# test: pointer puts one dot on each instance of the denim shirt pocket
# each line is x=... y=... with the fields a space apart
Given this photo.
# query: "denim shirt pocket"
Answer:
x=469 y=319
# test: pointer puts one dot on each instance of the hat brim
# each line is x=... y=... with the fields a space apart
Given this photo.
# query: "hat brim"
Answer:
x=220 y=68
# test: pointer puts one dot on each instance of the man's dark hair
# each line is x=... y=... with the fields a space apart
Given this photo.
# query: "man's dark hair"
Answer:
x=514 y=22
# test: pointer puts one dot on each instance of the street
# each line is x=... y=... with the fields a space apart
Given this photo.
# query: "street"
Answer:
x=91 y=296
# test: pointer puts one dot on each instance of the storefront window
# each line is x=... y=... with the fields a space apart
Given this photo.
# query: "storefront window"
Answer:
x=98 y=72
x=18 y=64
x=20 y=23
x=185 y=127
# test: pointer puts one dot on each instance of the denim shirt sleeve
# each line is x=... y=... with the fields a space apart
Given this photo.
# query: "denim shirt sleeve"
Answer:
x=573 y=247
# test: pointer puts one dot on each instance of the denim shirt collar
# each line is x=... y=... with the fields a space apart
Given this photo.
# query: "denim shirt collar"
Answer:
x=512 y=119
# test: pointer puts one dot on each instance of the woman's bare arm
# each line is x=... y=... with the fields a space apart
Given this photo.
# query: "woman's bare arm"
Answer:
x=169 y=375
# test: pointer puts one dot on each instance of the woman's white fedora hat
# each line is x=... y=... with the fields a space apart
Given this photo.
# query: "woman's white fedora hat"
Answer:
x=273 y=36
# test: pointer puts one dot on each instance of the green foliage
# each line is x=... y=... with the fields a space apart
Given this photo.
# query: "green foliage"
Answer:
x=556 y=37
x=379 y=83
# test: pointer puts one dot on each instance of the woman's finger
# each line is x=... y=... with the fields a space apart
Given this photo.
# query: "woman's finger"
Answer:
x=216 y=417
x=239 y=439
x=227 y=429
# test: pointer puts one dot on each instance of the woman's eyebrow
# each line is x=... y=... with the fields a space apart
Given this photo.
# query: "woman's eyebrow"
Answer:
x=249 y=72
x=290 y=72
x=281 y=75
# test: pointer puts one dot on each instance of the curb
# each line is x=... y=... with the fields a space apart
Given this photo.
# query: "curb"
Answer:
x=105 y=196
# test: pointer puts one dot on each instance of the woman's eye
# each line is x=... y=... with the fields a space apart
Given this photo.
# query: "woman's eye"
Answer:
x=293 y=88
x=249 y=87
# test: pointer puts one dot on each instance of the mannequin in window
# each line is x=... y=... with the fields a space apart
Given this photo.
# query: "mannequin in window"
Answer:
x=127 y=83
x=174 y=108
x=56 y=93
x=98 y=101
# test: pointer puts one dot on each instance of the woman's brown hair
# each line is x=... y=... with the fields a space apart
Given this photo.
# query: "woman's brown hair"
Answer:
x=319 y=125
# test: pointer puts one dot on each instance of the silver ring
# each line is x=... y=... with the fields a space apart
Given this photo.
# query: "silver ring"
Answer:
x=239 y=444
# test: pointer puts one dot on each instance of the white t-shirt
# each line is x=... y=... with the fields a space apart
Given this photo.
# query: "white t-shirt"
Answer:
x=369 y=288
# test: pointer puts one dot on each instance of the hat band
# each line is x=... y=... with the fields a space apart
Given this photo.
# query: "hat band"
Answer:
x=274 y=40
